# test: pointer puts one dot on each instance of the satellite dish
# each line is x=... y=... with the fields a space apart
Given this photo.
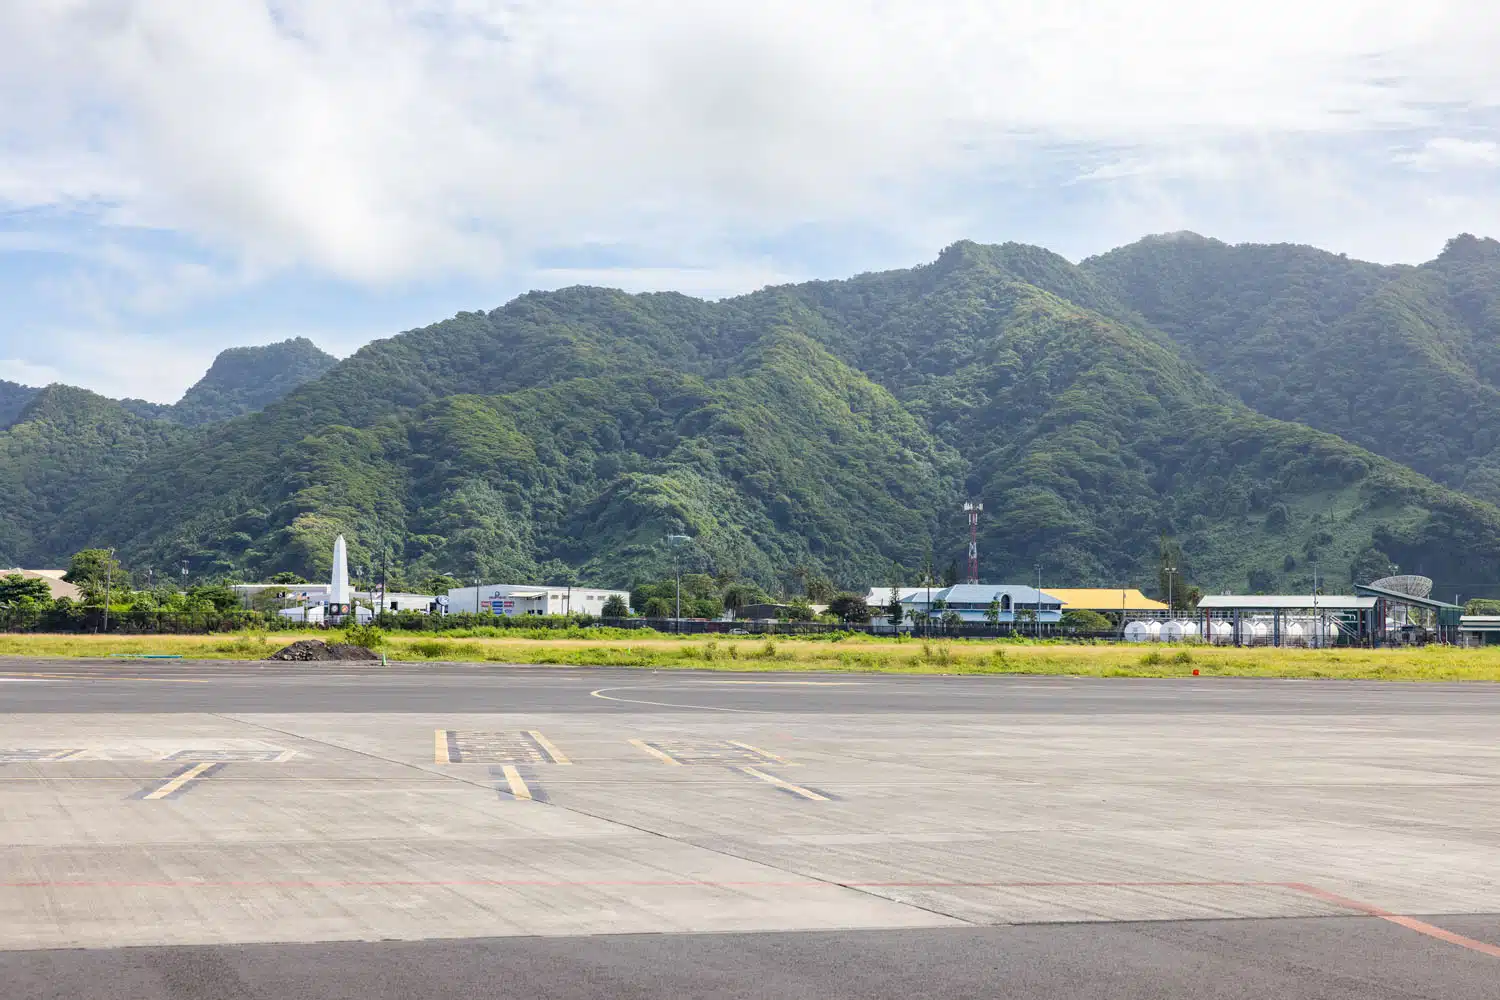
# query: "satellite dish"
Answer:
x=1412 y=586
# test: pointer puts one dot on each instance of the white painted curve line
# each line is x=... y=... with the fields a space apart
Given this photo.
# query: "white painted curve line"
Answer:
x=517 y=784
x=782 y=783
x=178 y=782
x=781 y=683
x=599 y=693
x=548 y=747
x=665 y=758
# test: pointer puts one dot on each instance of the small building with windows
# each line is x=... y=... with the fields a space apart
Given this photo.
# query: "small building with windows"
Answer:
x=523 y=599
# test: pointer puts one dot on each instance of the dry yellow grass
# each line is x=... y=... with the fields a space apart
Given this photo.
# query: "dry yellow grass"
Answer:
x=859 y=653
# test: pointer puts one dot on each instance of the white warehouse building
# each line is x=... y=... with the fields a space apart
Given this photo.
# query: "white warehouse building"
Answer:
x=521 y=599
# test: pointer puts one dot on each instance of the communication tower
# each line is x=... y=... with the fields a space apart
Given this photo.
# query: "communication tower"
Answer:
x=972 y=508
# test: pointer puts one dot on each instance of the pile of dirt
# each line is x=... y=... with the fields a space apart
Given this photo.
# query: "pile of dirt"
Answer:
x=306 y=650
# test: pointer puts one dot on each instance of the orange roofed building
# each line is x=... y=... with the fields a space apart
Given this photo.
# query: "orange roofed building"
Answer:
x=1127 y=600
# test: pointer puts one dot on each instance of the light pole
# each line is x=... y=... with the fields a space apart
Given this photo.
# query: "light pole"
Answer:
x=672 y=542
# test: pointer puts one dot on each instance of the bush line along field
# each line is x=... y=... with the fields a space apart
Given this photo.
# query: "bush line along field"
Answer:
x=838 y=654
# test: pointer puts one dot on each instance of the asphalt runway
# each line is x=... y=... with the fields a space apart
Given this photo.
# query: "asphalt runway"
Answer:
x=1332 y=958
x=270 y=831
x=217 y=686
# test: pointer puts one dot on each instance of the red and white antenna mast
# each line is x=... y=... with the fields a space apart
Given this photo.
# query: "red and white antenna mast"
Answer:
x=972 y=508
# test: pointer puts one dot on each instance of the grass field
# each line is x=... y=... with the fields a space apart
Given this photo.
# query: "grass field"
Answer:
x=858 y=653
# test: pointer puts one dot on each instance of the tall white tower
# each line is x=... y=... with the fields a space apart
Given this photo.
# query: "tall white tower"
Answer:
x=338 y=590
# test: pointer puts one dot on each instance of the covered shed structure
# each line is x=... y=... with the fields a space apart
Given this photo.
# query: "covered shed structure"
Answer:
x=1446 y=618
x=1290 y=619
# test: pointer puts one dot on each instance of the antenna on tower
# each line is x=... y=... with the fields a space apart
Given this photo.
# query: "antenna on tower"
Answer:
x=972 y=508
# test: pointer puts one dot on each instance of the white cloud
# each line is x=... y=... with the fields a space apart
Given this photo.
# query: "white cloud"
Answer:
x=386 y=140
x=27 y=373
x=195 y=151
x=1446 y=152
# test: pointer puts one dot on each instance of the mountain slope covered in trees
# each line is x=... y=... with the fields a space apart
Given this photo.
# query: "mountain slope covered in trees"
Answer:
x=833 y=427
x=1402 y=360
x=13 y=399
x=67 y=446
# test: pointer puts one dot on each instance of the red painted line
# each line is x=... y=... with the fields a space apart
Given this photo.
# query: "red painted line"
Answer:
x=1410 y=923
x=1344 y=902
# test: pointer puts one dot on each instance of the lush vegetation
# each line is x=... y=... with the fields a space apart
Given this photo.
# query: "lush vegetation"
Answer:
x=1115 y=417
x=13 y=400
x=841 y=654
x=1404 y=361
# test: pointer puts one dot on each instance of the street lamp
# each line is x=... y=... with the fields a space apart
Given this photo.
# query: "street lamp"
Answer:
x=1169 y=570
x=673 y=541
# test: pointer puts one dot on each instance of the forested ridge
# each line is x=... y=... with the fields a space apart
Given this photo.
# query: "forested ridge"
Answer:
x=1139 y=403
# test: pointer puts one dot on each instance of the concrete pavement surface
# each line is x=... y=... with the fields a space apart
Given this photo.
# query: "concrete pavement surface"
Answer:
x=239 y=830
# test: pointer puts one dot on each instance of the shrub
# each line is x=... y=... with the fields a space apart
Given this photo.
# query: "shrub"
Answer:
x=368 y=636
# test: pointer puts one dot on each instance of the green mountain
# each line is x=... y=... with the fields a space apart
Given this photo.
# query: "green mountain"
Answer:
x=1402 y=360
x=68 y=446
x=829 y=427
x=241 y=380
x=13 y=399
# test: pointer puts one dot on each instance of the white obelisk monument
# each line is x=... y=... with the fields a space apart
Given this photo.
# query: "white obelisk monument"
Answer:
x=338 y=588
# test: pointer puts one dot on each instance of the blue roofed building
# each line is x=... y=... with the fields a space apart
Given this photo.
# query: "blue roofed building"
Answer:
x=971 y=602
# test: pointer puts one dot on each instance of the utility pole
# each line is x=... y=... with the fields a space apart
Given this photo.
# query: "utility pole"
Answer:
x=1170 y=570
x=1036 y=626
x=672 y=542
x=109 y=573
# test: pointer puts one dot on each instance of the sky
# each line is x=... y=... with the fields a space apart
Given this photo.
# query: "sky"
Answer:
x=178 y=177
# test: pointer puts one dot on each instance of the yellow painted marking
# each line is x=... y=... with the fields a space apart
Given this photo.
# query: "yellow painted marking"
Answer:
x=517 y=783
x=558 y=757
x=764 y=753
x=782 y=783
x=659 y=755
x=179 y=781
x=440 y=746
x=64 y=754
